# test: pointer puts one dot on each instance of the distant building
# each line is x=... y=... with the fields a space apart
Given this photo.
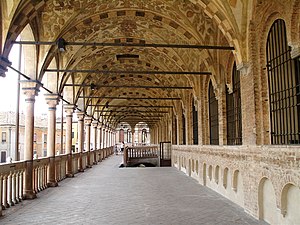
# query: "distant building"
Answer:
x=8 y=136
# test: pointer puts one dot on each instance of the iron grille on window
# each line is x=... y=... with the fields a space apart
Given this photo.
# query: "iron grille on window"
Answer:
x=183 y=130
x=234 y=115
x=213 y=116
x=195 y=124
x=284 y=89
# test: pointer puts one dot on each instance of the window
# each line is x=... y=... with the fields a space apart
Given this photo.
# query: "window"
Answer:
x=213 y=116
x=183 y=130
x=3 y=136
x=195 y=124
x=284 y=89
x=34 y=137
x=233 y=106
x=3 y=156
x=45 y=138
x=72 y=134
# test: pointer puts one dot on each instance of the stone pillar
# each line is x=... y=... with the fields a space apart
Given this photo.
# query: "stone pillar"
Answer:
x=87 y=122
x=248 y=104
x=30 y=90
x=52 y=101
x=103 y=137
x=94 y=140
x=132 y=138
x=69 y=109
x=99 y=137
x=80 y=116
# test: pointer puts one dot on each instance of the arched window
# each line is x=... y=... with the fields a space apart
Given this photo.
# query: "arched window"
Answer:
x=183 y=130
x=213 y=116
x=195 y=124
x=284 y=90
x=233 y=106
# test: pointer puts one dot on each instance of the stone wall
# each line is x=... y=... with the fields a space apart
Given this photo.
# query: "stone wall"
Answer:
x=246 y=175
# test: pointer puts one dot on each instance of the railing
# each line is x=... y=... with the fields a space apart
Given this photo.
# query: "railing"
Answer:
x=140 y=152
x=12 y=175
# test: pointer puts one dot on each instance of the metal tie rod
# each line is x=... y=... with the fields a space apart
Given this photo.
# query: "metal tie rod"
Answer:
x=126 y=44
x=129 y=72
x=133 y=98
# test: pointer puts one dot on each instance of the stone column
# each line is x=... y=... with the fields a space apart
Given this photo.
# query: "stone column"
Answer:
x=69 y=109
x=30 y=90
x=52 y=101
x=99 y=136
x=103 y=137
x=94 y=140
x=87 y=122
x=80 y=116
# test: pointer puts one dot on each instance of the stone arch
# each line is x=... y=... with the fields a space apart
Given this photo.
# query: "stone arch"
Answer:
x=197 y=167
x=267 y=201
x=225 y=177
x=290 y=203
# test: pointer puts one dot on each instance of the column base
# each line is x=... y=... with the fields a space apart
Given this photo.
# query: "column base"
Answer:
x=95 y=163
x=89 y=166
x=29 y=195
x=81 y=170
x=52 y=184
x=70 y=175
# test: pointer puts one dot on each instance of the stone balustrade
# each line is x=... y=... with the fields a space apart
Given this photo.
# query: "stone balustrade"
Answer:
x=12 y=176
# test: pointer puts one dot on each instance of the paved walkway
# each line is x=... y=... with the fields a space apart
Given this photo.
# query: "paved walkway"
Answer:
x=107 y=195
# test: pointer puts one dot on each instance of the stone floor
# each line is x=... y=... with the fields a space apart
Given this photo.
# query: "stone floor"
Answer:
x=107 y=194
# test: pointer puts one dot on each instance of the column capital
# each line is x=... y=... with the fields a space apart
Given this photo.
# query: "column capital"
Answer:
x=80 y=116
x=244 y=68
x=4 y=63
x=295 y=52
x=52 y=100
x=30 y=88
x=95 y=124
x=69 y=109
x=88 y=120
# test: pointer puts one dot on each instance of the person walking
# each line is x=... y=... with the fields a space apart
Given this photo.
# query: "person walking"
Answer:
x=122 y=147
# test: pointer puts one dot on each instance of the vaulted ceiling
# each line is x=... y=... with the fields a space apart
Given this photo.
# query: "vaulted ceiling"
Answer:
x=126 y=22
